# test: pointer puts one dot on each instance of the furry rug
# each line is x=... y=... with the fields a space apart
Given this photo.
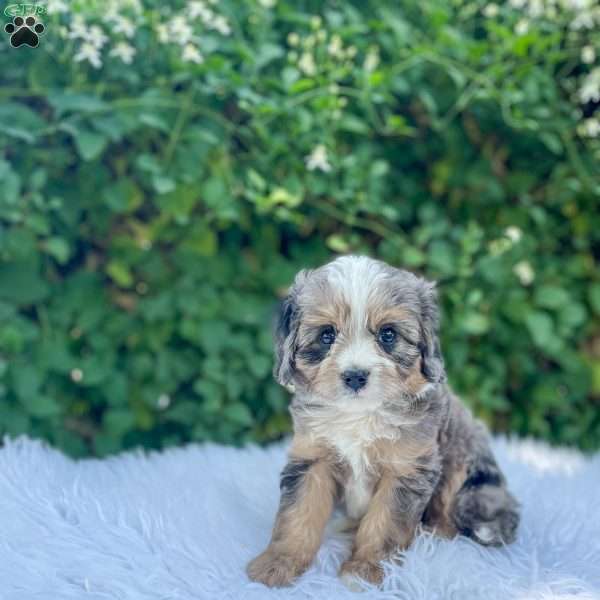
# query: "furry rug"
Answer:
x=181 y=525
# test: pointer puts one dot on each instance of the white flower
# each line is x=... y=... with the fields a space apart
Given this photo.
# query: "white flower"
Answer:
x=588 y=55
x=124 y=51
x=220 y=24
x=56 y=6
x=96 y=37
x=163 y=401
x=162 y=31
x=499 y=246
x=535 y=8
x=76 y=375
x=590 y=89
x=491 y=10
x=317 y=159
x=123 y=25
x=79 y=28
x=584 y=20
x=576 y=5
x=522 y=27
x=351 y=52
x=180 y=30
x=524 y=271
x=517 y=3
x=293 y=39
x=309 y=41
x=371 y=60
x=315 y=22
x=335 y=47
x=89 y=52
x=307 y=64
x=267 y=3
x=590 y=128
x=199 y=9
x=513 y=233
x=192 y=54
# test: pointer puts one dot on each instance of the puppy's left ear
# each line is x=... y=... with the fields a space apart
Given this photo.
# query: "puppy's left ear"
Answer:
x=432 y=363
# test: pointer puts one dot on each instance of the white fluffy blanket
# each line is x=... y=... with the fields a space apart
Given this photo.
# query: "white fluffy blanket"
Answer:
x=182 y=525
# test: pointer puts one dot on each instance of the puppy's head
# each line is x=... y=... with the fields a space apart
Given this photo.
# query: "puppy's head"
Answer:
x=359 y=331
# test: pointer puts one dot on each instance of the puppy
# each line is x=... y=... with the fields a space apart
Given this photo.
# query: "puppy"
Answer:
x=377 y=430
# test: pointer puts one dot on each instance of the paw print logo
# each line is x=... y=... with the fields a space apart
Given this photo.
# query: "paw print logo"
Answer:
x=24 y=31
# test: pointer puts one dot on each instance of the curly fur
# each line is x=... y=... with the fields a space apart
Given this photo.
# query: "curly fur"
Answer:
x=394 y=451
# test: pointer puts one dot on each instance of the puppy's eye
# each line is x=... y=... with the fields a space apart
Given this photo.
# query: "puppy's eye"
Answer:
x=387 y=336
x=327 y=336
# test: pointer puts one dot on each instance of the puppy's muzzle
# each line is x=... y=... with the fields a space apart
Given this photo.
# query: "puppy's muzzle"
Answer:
x=355 y=379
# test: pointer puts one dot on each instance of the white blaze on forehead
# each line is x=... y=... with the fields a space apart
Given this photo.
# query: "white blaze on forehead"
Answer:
x=357 y=280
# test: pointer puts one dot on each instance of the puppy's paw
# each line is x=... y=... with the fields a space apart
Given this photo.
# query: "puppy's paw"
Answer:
x=275 y=569
x=354 y=568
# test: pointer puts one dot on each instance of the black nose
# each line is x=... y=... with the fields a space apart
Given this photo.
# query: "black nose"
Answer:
x=355 y=379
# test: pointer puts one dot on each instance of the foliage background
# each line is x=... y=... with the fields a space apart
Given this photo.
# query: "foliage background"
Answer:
x=167 y=168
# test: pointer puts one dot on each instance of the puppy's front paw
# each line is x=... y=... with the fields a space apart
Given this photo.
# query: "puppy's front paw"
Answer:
x=275 y=569
x=354 y=568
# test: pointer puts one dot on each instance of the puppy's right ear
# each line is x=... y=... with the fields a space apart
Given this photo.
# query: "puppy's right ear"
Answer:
x=286 y=332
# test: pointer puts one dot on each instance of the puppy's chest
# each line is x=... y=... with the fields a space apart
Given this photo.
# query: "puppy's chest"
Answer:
x=355 y=446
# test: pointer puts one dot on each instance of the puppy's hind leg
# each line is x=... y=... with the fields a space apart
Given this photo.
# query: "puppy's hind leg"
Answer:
x=484 y=509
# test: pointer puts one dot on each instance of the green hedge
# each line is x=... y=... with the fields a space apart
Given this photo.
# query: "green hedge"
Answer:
x=166 y=168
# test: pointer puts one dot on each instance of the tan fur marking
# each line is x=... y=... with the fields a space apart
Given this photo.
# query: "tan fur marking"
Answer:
x=387 y=314
x=379 y=533
x=327 y=312
x=415 y=382
x=439 y=510
x=298 y=526
x=399 y=455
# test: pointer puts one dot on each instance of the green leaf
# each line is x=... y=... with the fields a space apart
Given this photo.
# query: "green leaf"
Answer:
x=90 y=144
x=41 y=406
x=594 y=296
x=119 y=273
x=338 y=243
x=20 y=122
x=162 y=184
x=541 y=328
x=238 y=413
x=552 y=142
x=64 y=101
x=118 y=421
x=58 y=248
x=123 y=196
x=259 y=365
x=21 y=283
x=475 y=323
x=548 y=296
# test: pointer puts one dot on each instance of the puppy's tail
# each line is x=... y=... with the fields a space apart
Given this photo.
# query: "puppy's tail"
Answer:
x=484 y=509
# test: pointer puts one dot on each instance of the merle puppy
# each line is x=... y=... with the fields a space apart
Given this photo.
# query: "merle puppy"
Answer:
x=376 y=428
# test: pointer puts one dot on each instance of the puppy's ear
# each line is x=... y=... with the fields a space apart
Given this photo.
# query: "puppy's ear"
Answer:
x=432 y=363
x=286 y=332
